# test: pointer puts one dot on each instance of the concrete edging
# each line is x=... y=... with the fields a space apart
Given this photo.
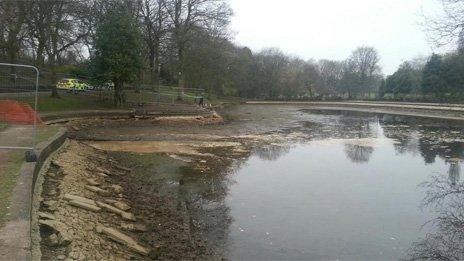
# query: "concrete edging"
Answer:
x=15 y=236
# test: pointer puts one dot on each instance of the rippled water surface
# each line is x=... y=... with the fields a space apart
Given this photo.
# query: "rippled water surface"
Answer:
x=347 y=187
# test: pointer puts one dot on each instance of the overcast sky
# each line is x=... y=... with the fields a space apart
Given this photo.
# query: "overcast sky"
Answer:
x=333 y=28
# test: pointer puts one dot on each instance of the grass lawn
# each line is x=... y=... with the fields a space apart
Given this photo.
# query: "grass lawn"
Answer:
x=67 y=102
x=3 y=125
x=92 y=101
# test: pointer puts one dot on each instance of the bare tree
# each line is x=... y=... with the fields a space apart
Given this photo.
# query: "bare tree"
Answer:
x=446 y=241
x=55 y=27
x=185 y=15
x=331 y=73
x=153 y=15
x=363 y=65
x=12 y=28
x=271 y=66
x=448 y=27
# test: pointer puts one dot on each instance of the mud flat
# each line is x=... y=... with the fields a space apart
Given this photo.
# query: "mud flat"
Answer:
x=102 y=201
x=143 y=188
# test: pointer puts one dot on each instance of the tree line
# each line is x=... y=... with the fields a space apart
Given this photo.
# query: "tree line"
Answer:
x=437 y=78
x=187 y=43
x=175 y=42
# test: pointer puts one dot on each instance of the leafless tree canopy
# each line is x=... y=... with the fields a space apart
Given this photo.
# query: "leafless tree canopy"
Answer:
x=365 y=62
x=446 y=198
x=188 y=43
x=447 y=28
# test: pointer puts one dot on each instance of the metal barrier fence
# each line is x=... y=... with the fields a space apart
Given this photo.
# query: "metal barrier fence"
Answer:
x=19 y=87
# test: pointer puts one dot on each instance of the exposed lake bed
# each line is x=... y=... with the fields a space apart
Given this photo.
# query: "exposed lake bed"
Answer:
x=285 y=182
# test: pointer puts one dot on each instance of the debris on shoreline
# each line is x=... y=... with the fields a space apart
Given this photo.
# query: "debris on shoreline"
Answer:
x=84 y=215
x=94 y=207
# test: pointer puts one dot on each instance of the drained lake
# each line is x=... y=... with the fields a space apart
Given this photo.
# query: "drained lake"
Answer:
x=294 y=183
x=345 y=186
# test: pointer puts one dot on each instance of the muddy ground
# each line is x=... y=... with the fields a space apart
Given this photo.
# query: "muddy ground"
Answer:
x=160 y=183
x=159 y=175
x=149 y=187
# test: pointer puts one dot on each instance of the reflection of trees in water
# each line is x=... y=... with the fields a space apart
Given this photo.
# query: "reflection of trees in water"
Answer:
x=429 y=142
x=427 y=151
x=429 y=138
x=446 y=197
x=430 y=151
x=363 y=128
x=346 y=126
x=454 y=172
x=271 y=152
x=360 y=128
x=201 y=197
x=410 y=144
x=358 y=154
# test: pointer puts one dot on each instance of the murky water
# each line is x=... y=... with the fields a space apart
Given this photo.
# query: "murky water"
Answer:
x=317 y=185
x=345 y=187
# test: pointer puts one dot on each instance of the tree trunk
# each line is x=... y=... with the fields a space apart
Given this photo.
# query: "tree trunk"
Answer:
x=181 y=83
x=12 y=60
x=53 y=60
x=40 y=54
x=118 y=93
x=157 y=65
x=53 y=77
x=152 y=64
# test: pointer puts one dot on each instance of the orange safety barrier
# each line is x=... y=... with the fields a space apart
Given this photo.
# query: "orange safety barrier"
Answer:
x=17 y=112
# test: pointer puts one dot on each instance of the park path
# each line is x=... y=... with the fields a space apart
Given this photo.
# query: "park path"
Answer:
x=13 y=136
x=17 y=136
x=12 y=247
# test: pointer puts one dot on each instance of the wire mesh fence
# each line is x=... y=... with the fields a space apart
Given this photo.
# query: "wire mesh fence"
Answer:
x=24 y=92
x=19 y=86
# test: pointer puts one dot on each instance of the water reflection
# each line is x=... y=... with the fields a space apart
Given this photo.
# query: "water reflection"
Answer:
x=445 y=196
x=204 y=195
x=454 y=172
x=271 y=152
x=428 y=138
x=201 y=196
x=358 y=154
